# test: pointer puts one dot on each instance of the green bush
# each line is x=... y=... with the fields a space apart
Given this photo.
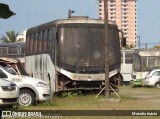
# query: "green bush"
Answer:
x=71 y=94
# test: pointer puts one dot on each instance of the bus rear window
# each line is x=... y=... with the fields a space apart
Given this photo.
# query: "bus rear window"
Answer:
x=129 y=58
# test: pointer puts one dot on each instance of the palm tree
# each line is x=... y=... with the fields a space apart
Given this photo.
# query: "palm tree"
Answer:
x=10 y=37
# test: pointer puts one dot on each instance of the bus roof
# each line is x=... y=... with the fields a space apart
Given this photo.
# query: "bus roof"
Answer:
x=148 y=52
x=81 y=20
x=73 y=20
x=128 y=50
x=15 y=44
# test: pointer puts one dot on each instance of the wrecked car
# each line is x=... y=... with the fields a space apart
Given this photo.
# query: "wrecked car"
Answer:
x=32 y=90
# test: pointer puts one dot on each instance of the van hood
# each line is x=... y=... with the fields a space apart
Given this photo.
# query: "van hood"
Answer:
x=26 y=79
x=4 y=82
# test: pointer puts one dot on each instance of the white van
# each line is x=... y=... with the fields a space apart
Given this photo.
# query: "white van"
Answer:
x=31 y=89
x=152 y=78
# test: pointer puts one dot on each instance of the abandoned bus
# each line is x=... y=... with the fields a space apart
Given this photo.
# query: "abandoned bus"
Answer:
x=126 y=64
x=69 y=53
x=145 y=61
x=13 y=50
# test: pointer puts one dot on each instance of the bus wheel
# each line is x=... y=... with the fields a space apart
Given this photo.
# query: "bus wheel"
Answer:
x=26 y=98
x=120 y=80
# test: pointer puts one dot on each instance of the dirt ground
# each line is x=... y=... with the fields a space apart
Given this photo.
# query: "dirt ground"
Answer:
x=140 y=92
x=140 y=98
x=146 y=98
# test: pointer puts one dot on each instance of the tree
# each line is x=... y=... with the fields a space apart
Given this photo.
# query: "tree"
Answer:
x=10 y=37
x=157 y=46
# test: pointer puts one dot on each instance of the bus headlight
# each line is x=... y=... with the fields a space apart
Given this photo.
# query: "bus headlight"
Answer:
x=42 y=84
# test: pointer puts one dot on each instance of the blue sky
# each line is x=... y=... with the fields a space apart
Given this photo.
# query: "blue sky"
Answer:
x=148 y=14
x=30 y=13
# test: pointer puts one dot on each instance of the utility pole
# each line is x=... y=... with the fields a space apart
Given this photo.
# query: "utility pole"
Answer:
x=146 y=46
x=107 y=91
x=139 y=42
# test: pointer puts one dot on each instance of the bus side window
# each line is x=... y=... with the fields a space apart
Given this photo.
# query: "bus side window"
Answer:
x=50 y=38
x=31 y=43
x=128 y=58
x=35 y=42
x=27 y=43
x=40 y=35
x=13 y=50
x=121 y=57
x=3 y=51
x=44 y=45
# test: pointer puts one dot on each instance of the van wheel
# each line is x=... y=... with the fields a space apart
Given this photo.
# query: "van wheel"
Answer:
x=157 y=85
x=26 y=98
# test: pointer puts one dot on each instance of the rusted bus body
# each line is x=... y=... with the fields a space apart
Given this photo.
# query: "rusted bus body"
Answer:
x=144 y=61
x=69 y=53
x=13 y=50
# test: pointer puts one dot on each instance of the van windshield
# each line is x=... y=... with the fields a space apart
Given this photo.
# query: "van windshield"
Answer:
x=10 y=70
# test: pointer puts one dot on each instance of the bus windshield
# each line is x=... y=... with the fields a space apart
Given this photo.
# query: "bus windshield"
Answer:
x=146 y=63
x=81 y=46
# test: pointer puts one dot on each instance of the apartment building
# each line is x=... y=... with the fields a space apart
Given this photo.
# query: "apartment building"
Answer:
x=123 y=12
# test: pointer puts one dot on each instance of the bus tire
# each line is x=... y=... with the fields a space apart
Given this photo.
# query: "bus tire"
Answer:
x=26 y=98
x=120 y=80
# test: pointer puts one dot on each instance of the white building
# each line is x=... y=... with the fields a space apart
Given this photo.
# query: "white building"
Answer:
x=22 y=36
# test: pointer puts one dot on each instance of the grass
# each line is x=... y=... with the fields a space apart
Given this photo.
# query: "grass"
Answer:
x=131 y=99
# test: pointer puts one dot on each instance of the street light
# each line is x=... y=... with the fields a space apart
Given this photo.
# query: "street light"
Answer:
x=70 y=13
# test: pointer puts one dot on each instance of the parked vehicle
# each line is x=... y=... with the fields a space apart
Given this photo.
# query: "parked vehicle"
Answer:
x=137 y=82
x=126 y=64
x=31 y=89
x=153 y=78
x=69 y=53
x=145 y=61
x=9 y=93
x=14 y=50
x=14 y=63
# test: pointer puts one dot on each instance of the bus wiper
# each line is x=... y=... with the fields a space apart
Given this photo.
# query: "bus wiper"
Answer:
x=78 y=60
